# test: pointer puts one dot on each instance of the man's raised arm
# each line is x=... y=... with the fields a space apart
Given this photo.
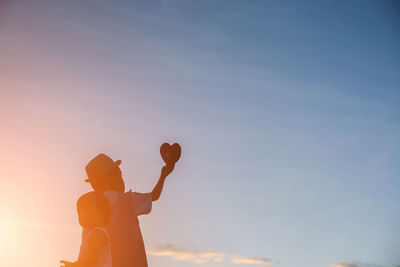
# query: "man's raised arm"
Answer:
x=165 y=171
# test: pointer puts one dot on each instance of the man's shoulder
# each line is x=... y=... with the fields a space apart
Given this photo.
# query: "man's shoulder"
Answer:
x=115 y=196
x=112 y=196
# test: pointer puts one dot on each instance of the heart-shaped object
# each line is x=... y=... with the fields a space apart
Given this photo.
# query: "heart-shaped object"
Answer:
x=170 y=154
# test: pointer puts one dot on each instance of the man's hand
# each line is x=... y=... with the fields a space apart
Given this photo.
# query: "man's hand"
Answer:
x=167 y=169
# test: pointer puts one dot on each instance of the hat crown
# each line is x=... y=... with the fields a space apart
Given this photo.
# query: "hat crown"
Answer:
x=99 y=165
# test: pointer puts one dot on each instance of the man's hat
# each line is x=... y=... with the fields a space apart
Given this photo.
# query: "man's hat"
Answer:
x=99 y=166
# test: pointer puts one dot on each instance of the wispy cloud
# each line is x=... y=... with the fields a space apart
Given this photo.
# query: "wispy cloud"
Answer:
x=356 y=264
x=198 y=256
x=344 y=265
x=250 y=260
x=186 y=255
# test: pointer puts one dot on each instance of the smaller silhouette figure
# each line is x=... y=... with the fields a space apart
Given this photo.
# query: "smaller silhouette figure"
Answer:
x=93 y=214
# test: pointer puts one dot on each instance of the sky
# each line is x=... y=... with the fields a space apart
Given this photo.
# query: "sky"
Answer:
x=288 y=114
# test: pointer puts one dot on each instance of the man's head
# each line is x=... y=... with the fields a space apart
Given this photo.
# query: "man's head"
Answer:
x=104 y=174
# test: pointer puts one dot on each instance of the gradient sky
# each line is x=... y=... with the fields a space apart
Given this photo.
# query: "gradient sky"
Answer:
x=288 y=114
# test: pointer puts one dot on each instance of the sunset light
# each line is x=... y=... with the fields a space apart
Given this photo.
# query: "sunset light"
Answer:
x=245 y=133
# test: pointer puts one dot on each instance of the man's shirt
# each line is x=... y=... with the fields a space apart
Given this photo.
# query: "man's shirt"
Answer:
x=142 y=202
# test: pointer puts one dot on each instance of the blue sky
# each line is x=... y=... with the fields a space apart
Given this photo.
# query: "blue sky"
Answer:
x=287 y=112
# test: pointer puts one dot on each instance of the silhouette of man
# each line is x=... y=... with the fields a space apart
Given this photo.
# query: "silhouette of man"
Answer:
x=127 y=248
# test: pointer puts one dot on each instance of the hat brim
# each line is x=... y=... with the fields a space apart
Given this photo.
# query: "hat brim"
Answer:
x=116 y=164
